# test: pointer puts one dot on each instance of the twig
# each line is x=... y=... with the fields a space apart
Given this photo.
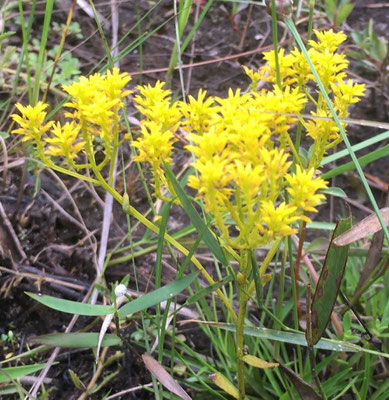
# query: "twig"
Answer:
x=5 y=162
x=11 y=231
x=134 y=389
x=315 y=278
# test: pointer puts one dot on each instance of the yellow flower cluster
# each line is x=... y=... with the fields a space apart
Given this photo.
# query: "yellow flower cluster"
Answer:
x=95 y=103
x=243 y=168
x=162 y=119
x=31 y=122
x=241 y=143
x=296 y=73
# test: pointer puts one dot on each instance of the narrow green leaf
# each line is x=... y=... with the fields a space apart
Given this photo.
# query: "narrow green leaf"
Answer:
x=208 y=289
x=343 y=13
x=382 y=49
x=72 y=307
x=362 y=145
x=198 y=223
x=155 y=297
x=327 y=287
x=298 y=338
x=77 y=340
x=17 y=372
x=334 y=191
x=76 y=380
x=368 y=158
x=6 y=35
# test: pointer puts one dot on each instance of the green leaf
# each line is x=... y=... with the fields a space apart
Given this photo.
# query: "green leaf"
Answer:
x=382 y=49
x=155 y=297
x=330 y=8
x=4 y=135
x=366 y=143
x=317 y=244
x=198 y=223
x=298 y=338
x=327 y=287
x=77 y=340
x=343 y=13
x=6 y=35
x=208 y=289
x=72 y=307
x=76 y=380
x=334 y=191
x=368 y=158
x=17 y=372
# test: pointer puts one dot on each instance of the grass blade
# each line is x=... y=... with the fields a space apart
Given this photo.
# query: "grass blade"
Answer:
x=6 y=374
x=77 y=340
x=72 y=307
x=196 y=220
x=156 y=296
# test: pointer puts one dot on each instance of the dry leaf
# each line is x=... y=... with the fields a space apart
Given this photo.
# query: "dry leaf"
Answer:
x=164 y=377
x=362 y=229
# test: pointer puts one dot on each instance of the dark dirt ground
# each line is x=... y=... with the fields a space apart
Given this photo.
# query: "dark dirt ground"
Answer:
x=54 y=243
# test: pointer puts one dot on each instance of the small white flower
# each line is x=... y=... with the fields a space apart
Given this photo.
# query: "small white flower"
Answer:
x=120 y=290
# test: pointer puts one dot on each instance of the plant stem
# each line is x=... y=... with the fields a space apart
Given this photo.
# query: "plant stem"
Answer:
x=239 y=341
x=245 y=268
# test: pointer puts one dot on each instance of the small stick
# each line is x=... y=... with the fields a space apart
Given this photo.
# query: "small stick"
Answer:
x=11 y=231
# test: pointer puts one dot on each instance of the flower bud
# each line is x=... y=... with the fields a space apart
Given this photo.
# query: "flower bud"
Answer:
x=120 y=290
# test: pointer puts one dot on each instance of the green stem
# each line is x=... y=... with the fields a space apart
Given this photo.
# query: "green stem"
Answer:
x=243 y=276
x=136 y=214
x=275 y=41
x=240 y=342
x=310 y=19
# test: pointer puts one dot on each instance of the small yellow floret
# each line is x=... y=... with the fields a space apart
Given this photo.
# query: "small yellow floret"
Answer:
x=65 y=141
x=303 y=187
x=31 y=121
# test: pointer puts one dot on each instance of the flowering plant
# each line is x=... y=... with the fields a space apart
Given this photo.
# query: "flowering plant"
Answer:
x=246 y=168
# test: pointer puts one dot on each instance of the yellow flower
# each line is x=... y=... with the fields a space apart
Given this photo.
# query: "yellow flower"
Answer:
x=346 y=93
x=65 y=141
x=276 y=166
x=198 y=113
x=276 y=221
x=255 y=76
x=286 y=65
x=151 y=95
x=230 y=105
x=97 y=98
x=31 y=122
x=329 y=66
x=212 y=182
x=327 y=40
x=212 y=143
x=155 y=144
x=154 y=103
x=114 y=82
x=320 y=129
x=278 y=102
x=248 y=180
x=303 y=189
